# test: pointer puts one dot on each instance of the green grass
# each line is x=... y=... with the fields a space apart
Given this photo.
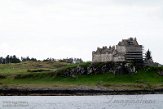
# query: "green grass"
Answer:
x=141 y=80
x=26 y=67
x=42 y=74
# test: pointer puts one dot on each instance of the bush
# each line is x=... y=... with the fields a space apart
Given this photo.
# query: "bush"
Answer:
x=37 y=70
x=2 y=76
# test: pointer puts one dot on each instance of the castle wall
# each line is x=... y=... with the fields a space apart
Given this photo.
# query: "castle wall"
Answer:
x=121 y=49
x=106 y=57
x=134 y=53
x=119 y=58
x=102 y=57
x=96 y=57
x=134 y=49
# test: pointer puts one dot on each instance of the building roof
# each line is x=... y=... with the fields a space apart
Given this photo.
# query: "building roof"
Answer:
x=128 y=42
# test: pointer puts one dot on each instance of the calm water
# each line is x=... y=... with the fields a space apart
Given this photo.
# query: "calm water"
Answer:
x=83 y=102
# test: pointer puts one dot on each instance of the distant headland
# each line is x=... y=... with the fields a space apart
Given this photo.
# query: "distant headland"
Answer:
x=120 y=69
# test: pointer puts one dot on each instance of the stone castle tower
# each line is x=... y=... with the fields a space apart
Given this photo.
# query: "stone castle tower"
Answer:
x=126 y=50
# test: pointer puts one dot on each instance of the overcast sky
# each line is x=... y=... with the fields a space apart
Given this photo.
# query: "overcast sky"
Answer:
x=74 y=28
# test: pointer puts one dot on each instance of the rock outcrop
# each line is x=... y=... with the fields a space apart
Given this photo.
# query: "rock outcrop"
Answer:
x=97 y=68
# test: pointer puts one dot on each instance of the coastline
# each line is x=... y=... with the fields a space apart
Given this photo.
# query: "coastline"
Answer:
x=72 y=92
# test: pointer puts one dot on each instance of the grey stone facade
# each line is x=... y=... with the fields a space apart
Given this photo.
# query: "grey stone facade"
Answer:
x=125 y=50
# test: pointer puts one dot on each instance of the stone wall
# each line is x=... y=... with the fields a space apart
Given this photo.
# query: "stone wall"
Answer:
x=121 y=49
x=102 y=57
x=133 y=48
x=119 y=58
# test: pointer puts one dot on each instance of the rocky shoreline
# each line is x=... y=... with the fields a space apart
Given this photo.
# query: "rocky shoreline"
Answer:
x=72 y=92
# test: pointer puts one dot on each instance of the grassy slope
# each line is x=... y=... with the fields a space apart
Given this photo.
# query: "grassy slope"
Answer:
x=23 y=67
x=141 y=80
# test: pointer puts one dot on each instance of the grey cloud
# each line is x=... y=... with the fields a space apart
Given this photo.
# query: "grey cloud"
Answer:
x=93 y=2
x=39 y=2
x=138 y=2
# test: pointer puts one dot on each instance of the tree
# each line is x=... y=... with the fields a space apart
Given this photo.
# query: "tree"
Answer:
x=148 y=55
x=77 y=60
x=7 y=59
x=15 y=59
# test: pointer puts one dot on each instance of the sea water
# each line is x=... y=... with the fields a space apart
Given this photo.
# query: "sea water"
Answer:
x=154 y=101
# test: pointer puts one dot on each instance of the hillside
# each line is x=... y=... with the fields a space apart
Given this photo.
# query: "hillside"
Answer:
x=50 y=75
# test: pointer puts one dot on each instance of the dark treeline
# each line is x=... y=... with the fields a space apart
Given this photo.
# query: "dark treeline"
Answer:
x=9 y=59
x=71 y=60
x=23 y=59
x=67 y=60
x=14 y=59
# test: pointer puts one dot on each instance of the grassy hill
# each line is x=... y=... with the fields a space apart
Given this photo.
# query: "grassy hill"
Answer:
x=44 y=75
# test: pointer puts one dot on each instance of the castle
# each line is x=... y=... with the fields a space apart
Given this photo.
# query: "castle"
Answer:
x=126 y=50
